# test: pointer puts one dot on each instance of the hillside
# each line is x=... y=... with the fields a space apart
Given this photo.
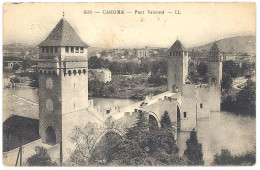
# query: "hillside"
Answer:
x=239 y=44
x=19 y=47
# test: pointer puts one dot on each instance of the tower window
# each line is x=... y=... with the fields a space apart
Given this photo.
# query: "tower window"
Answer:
x=47 y=49
x=81 y=50
x=201 y=105
x=74 y=105
x=56 y=49
x=77 y=49
x=184 y=114
x=72 y=49
x=43 y=49
x=51 y=49
x=67 y=49
x=69 y=72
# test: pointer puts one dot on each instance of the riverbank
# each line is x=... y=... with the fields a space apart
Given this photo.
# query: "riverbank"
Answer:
x=124 y=88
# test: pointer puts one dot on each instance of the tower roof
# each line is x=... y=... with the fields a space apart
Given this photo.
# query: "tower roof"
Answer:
x=63 y=35
x=177 y=46
x=214 y=47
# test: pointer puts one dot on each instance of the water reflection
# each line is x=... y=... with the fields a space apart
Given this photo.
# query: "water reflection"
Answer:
x=224 y=130
x=29 y=93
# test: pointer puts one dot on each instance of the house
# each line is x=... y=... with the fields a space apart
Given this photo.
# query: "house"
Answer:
x=102 y=75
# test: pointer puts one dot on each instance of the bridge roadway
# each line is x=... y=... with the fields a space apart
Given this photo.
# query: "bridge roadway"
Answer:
x=118 y=114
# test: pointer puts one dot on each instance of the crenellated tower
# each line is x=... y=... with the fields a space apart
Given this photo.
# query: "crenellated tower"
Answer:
x=177 y=67
x=214 y=62
x=63 y=82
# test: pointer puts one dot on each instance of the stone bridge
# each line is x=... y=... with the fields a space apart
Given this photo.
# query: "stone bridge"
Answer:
x=155 y=106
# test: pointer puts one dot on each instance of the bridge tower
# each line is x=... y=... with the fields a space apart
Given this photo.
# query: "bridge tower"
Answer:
x=214 y=62
x=177 y=66
x=63 y=83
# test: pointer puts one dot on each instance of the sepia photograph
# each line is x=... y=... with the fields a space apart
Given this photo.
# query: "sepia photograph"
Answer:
x=169 y=84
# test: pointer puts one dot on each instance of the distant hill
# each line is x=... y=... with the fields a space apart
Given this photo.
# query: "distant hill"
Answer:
x=239 y=44
x=94 y=49
x=20 y=47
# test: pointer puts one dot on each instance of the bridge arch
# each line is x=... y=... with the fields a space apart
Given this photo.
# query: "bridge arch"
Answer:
x=153 y=118
x=114 y=130
x=178 y=118
x=106 y=144
x=213 y=81
x=50 y=136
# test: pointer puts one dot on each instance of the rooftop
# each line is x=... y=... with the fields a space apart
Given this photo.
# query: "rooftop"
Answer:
x=214 y=47
x=177 y=46
x=63 y=35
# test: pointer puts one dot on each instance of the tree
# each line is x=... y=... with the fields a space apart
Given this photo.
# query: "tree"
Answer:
x=226 y=158
x=95 y=145
x=144 y=67
x=26 y=64
x=16 y=66
x=84 y=139
x=226 y=82
x=157 y=80
x=231 y=68
x=143 y=147
x=166 y=120
x=244 y=67
x=41 y=158
x=194 y=150
x=246 y=99
x=202 y=69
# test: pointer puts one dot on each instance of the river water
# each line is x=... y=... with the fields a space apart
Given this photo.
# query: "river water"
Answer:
x=224 y=130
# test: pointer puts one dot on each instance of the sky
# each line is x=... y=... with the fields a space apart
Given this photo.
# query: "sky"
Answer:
x=198 y=23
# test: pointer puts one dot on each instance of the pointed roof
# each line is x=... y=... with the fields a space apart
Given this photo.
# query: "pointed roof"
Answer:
x=63 y=35
x=177 y=46
x=214 y=47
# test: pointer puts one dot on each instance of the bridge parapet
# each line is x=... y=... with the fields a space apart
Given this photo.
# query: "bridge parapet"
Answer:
x=95 y=109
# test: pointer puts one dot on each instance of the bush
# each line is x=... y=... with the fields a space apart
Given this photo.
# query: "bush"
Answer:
x=226 y=158
x=41 y=158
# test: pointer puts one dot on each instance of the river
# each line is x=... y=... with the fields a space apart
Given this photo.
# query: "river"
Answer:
x=224 y=130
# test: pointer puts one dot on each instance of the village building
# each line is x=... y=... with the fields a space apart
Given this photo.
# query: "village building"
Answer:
x=102 y=75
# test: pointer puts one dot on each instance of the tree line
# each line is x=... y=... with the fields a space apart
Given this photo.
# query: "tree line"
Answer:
x=146 y=66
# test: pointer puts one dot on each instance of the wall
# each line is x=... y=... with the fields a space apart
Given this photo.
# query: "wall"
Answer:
x=50 y=118
x=215 y=98
x=202 y=95
x=215 y=71
x=188 y=105
x=74 y=92
x=177 y=70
